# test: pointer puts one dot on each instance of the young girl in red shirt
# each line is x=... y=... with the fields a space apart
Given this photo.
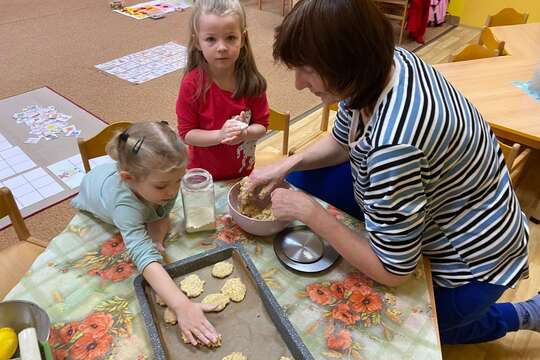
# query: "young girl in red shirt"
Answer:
x=222 y=107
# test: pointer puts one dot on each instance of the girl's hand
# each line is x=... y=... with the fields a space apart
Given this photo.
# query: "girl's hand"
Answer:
x=230 y=130
x=194 y=324
x=238 y=139
x=292 y=205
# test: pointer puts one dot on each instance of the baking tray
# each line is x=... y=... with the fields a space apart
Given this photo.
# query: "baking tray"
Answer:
x=257 y=326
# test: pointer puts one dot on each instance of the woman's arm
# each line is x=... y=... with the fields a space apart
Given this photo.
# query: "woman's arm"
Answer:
x=325 y=152
x=191 y=319
x=294 y=205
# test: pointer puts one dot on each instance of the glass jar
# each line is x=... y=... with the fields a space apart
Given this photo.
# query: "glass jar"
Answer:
x=198 y=200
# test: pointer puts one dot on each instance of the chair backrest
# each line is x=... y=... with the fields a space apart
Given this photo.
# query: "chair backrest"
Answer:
x=95 y=146
x=507 y=16
x=490 y=41
x=8 y=207
x=281 y=122
x=326 y=115
x=474 y=51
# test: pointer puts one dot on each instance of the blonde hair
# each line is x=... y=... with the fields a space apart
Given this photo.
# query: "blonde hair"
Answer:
x=148 y=146
x=249 y=81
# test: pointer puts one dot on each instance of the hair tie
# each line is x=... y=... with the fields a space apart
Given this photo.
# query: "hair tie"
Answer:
x=124 y=136
x=137 y=145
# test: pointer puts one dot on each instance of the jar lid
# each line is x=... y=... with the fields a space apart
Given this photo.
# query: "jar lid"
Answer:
x=196 y=179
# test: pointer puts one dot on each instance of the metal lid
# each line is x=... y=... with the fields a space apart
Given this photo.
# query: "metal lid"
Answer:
x=300 y=249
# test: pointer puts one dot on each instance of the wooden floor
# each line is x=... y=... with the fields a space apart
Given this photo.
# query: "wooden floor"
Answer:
x=517 y=345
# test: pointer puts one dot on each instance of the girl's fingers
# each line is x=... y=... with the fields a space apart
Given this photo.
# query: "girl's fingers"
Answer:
x=190 y=338
x=199 y=334
x=209 y=328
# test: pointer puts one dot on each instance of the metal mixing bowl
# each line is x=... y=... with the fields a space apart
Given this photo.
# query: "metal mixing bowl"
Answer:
x=20 y=314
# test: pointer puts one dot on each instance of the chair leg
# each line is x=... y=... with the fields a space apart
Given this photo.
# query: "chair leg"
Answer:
x=260 y=4
x=403 y=22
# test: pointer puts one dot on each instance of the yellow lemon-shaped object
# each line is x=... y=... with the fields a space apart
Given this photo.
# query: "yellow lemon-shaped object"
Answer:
x=8 y=343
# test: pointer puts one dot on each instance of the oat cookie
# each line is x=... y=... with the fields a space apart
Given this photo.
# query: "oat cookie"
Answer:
x=169 y=316
x=192 y=285
x=222 y=269
x=160 y=301
x=219 y=299
x=235 y=289
x=235 y=356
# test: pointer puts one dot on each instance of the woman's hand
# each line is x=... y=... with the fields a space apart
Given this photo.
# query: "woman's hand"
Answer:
x=194 y=324
x=292 y=205
x=263 y=180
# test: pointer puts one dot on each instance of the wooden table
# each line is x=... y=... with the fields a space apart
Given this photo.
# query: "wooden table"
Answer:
x=487 y=83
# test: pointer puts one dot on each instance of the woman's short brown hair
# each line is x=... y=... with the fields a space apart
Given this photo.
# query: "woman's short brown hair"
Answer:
x=349 y=43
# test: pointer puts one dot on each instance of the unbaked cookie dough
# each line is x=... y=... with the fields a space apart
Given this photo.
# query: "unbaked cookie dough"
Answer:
x=235 y=356
x=192 y=286
x=169 y=317
x=219 y=299
x=160 y=301
x=250 y=209
x=222 y=269
x=235 y=289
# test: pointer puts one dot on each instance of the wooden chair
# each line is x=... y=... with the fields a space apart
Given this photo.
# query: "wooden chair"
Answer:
x=490 y=41
x=515 y=159
x=16 y=259
x=95 y=146
x=281 y=122
x=284 y=4
x=325 y=119
x=507 y=16
x=267 y=151
x=474 y=51
x=395 y=10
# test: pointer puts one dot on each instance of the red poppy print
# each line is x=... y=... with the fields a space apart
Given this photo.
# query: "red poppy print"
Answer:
x=365 y=301
x=319 y=294
x=87 y=347
x=98 y=324
x=113 y=246
x=67 y=332
x=343 y=313
x=340 y=341
x=118 y=272
x=338 y=290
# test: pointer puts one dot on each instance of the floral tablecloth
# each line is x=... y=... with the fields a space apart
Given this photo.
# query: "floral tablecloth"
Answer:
x=84 y=280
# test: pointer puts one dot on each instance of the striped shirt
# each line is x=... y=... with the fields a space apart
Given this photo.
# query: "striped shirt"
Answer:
x=431 y=179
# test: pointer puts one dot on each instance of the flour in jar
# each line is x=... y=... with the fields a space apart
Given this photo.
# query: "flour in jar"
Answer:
x=200 y=219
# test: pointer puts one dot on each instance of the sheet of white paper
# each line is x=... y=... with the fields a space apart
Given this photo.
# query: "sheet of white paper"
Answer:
x=16 y=160
x=32 y=187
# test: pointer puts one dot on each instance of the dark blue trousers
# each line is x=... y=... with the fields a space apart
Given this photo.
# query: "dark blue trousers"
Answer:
x=466 y=314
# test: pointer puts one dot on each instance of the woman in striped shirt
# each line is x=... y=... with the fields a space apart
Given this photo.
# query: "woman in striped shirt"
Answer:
x=426 y=171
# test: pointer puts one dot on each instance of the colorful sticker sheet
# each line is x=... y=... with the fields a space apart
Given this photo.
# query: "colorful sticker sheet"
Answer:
x=71 y=170
x=148 y=64
x=45 y=123
x=144 y=10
